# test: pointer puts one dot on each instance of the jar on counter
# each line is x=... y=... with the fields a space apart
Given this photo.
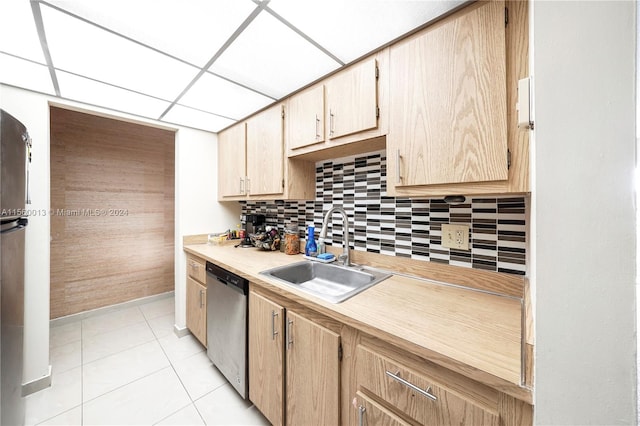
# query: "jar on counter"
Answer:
x=291 y=240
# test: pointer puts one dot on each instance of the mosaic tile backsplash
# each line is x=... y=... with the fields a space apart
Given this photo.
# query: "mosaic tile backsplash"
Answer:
x=402 y=226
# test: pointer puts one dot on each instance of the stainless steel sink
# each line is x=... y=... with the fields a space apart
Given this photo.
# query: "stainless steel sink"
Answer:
x=331 y=282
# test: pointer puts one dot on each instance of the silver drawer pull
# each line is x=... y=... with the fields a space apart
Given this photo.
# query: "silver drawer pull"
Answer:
x=398 y=166
x=361 y=411
x=422 y=392
x=289 y=336
x=274 y=333
x=331 y=119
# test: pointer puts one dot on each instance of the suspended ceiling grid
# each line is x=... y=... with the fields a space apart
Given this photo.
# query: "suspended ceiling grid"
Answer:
x=197 y=63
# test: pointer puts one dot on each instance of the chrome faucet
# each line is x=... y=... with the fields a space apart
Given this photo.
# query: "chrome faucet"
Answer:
x=344 y=257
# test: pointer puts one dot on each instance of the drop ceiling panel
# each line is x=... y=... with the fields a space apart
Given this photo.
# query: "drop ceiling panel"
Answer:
x=272 y=58
x=18 y=34
x=92 y=92
x=350 y=29
x=191 y=30
x=218 y=96
x=197 y=119
x=84 y=49
x=28 y=75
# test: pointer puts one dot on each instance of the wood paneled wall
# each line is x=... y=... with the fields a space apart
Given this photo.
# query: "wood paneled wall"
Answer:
x=112 y=211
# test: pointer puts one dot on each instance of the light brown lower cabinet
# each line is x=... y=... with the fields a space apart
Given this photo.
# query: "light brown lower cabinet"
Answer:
x=307 y=354
x=266 y=357
x=297 y=376
x=197 y=310
x=418 y=397
x=197 y=298
x=313 y=373
x=370 y=413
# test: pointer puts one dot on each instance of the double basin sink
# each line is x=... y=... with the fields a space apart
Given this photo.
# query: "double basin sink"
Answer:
x=329 y=281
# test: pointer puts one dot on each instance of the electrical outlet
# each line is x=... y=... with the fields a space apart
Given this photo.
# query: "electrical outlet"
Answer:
x=455 y=236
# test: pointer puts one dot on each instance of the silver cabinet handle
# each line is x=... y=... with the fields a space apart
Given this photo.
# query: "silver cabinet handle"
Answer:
x=241 y=186
x=331 y=120
x=398 y=171
x=274 y=333
x=422 y=392
x=289 y=336
x=361 y=411
x=248 y=189
x=317 y=127
x=202 y=298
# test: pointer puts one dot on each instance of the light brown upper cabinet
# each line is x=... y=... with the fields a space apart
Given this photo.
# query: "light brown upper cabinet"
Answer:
x=306 y=118
x=252 y=165
x=352 y=100
x=453 y=95
x=265 y=152
x=336 y=116
x=232 y=158
x=448 y=102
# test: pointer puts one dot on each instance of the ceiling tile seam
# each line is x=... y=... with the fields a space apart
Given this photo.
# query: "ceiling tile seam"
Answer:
x=240 y=84
x=142 y=93
x=131 y=114
x=259 y=8
x=206 y=112
x=102 y=107
x=23 y=58
x=110 y=31
x=113 y=85
x=151 y=48
x=304 y=36
x=37 y=17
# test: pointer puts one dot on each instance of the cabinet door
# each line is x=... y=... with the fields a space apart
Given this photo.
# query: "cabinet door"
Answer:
x=266 y=357
x=197 y=310
x=372 y=414
x=313 y=373
x=448 y=119
x=305 y=118
x=231 y=161
x=265 y=152
x=352 y=100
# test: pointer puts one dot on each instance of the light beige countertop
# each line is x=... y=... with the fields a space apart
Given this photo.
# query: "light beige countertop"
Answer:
x=474 y=333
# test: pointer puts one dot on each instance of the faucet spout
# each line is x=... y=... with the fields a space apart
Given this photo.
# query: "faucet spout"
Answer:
x=344 y=257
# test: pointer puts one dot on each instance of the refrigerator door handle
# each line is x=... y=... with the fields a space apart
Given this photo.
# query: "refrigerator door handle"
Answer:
x=27 y=140
x=19 y=224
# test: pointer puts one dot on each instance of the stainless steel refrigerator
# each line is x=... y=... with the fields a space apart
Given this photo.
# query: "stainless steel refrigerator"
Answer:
x=15 y=152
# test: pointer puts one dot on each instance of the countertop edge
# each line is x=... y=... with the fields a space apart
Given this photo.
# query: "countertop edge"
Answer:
x=502 y=385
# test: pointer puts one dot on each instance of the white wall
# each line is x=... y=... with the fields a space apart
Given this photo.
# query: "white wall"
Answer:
x=197 y=211
x=583 y=212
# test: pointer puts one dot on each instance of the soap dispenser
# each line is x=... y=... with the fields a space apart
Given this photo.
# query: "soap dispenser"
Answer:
x=311 y=249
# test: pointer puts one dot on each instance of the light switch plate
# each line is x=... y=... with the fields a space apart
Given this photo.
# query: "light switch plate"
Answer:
x=455 y=236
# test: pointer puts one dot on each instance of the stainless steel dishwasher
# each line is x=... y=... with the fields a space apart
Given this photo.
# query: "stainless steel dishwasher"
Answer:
x=227 y=304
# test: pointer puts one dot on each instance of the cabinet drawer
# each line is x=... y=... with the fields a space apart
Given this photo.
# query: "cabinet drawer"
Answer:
x=371 y=413
x=196 y=269
x=416 y=395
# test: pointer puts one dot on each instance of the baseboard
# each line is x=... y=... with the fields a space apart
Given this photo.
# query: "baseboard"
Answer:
x=99 y=311
x=37 y=384
x=180 y=331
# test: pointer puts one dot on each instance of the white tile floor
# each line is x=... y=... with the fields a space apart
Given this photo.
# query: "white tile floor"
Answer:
x=127 y=367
